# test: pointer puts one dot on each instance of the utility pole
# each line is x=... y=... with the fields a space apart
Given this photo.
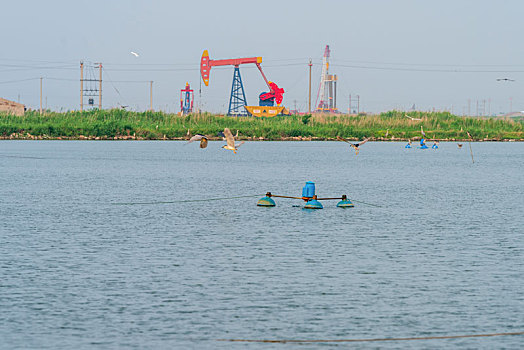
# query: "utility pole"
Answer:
x=100 y=89
x=200 y=96
x=310 y=65
x=151 y=95
x=81 y=86
x=40 y=95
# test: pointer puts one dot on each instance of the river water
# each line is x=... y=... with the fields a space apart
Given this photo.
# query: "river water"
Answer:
x=99 y=250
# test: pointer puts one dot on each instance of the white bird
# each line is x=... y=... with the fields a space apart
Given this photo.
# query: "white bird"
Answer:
x=198 y=137
x=354 y=145
x=407 y=116
x=231 y=141
x=134 y=54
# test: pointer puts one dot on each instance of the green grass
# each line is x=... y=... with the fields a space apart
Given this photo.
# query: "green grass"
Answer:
x=110 y=124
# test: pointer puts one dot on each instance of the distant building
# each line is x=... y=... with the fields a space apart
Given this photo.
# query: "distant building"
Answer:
x=11 y=107
x=514 y=114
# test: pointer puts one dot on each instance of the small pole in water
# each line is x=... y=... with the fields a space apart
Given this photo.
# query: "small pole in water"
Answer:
x=470 y=149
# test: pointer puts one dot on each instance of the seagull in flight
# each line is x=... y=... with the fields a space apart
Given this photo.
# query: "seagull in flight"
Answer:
x=134 y=54
x=231 y=141
x=505 y=79
x=198 y=137
x=407 y=116
x=354 y=145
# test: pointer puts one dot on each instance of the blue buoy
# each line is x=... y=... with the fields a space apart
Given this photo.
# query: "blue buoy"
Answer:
x=308 y=191
x=266 y=201
x=345 y=203
x=313 y=204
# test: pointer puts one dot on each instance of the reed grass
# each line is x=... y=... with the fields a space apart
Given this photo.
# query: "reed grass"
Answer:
x=110 y=124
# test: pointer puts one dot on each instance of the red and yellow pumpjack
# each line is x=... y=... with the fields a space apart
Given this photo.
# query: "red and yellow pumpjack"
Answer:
x=237 y=102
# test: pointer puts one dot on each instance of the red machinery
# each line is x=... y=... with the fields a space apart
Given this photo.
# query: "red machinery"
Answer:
x=275 y=94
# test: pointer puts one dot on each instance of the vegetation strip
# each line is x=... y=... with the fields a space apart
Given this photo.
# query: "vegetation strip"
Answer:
x=123 y=125
x=371 y=340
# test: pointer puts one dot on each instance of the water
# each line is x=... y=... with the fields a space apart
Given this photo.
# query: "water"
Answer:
x=83 y=265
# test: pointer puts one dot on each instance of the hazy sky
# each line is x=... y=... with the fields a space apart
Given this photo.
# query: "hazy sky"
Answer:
x=434 y=54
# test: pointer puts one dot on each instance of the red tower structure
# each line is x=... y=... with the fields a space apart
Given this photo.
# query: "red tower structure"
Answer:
x=186 y=100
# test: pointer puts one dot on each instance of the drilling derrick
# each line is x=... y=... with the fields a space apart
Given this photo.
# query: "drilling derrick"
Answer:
x=327 y=90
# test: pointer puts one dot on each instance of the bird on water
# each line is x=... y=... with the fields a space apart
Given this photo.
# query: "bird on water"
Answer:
x=354 y=145
x=231 y=141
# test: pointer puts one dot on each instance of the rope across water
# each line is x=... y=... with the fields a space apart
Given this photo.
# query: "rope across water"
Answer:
x=219 y=199
x=369 y=339
x=187 y=200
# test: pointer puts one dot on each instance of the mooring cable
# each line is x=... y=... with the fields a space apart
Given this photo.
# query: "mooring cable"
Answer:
x=361 y=202
x=220 y=199
x=368 y=339
x=185 y=200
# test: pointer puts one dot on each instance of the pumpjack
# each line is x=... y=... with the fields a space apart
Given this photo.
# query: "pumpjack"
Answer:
x=237 y=101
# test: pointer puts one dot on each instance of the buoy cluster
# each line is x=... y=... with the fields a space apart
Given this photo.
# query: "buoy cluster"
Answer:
x=308 y=196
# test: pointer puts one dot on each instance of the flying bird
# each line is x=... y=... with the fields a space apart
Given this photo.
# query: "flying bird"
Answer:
x=459 y=145
x=134 y=54
x=354 y=145
x=231 y=141
x=198 y=137
x=505 y=79
x=407 y=116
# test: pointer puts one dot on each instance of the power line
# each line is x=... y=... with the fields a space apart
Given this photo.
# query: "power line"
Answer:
x=17 y=81
x=430 y=64
x=426 y=70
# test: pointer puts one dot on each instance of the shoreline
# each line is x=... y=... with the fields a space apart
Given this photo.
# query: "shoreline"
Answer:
x=29 y=137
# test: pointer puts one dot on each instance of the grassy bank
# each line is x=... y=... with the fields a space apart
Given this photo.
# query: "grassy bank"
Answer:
x=118 y=124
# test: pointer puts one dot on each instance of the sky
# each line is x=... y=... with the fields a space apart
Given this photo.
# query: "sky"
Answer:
x=393 y=54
